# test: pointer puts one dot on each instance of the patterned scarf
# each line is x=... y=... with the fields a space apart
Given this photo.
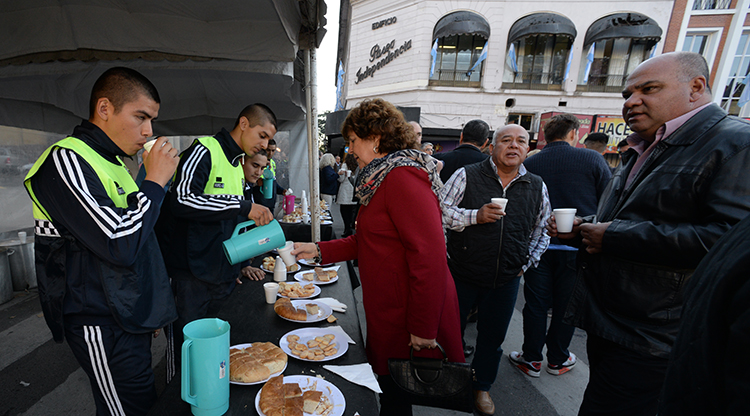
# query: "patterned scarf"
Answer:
x=372 y=175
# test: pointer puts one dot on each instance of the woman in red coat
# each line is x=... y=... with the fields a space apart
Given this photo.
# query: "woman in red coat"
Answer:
x=408 y=292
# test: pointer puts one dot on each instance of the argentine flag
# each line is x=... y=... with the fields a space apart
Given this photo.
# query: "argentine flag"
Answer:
x=482 y=57
x=512 y=57
x=590 y=60
x=567 y=65
x=339 y=88
x=433 y=52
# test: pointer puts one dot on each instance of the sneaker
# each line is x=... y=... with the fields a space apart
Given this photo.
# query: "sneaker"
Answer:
x=563 y=368
x=530 y=368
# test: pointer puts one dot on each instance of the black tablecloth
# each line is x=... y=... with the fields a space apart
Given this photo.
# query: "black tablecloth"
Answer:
x=302 y=233
x=253 y=320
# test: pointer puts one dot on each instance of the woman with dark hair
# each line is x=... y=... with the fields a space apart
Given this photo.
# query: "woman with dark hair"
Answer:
x=408 y=292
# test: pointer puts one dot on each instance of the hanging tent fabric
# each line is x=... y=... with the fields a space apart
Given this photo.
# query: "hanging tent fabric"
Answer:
x=208 y=59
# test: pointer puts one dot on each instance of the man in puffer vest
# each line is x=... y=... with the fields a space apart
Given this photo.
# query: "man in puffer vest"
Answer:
x=490 y=248
x=102 y=280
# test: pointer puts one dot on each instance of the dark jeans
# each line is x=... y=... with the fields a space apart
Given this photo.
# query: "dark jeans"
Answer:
x=622 y=382
x=548 y=285
x=495 y=308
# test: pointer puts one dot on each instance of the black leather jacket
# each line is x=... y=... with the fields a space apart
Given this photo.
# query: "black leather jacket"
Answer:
x=691 y=189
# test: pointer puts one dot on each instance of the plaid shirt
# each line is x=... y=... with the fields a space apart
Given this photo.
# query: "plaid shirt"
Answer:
x=456 y=218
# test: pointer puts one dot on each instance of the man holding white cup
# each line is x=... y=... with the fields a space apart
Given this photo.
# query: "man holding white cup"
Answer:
x=490 y=244
x=575 y=177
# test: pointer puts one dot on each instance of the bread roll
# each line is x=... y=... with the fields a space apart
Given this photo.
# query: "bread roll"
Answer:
x=279 y=399
x=256 y=363
x=312 y=308
x=311 y=400
x=272 y=396
x=285 y=309
x=243 y=368
x=324 y=275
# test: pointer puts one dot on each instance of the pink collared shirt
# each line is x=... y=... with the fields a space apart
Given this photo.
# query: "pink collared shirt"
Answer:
x=644 y=148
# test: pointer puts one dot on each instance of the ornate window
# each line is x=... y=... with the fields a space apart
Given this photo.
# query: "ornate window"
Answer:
x=711 y=4
x=539 y=48
x=695 y=43
x=615 y=45
x=737 y=75
x=459 y=50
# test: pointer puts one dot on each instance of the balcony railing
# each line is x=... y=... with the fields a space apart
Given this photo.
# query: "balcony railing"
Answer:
x=711 y=4
x=604 y=83
x=535 y=81
x=453 y=78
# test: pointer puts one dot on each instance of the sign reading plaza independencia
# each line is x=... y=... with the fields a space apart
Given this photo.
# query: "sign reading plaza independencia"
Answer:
x=386 y=54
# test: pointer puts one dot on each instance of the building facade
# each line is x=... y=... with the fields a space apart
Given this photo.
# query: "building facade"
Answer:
x=718 y=30
x=518 y=62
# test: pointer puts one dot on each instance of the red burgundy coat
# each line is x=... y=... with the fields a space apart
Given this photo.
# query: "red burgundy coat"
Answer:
x=406 y=285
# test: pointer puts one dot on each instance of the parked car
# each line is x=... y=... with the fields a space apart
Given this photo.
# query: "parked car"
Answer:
x=11 y=162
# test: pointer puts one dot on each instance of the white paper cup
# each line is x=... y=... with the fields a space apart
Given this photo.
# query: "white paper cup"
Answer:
x=271 y=290
x=149 y=144
x=22 y=236
x=286 y=254
x=503 y=202
x=564 y=218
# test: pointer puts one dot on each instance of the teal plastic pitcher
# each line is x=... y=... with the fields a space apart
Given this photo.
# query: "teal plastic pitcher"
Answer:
x=205 y=366
x=267 y=187
x=253 y=242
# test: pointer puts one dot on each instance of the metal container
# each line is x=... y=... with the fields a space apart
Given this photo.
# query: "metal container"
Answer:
x=6 y=281
x=22 y=267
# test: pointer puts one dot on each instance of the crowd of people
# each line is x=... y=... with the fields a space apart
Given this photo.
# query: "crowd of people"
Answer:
x=650 y=269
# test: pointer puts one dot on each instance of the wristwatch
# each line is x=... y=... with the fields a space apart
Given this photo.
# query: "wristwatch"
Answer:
x=317 y=259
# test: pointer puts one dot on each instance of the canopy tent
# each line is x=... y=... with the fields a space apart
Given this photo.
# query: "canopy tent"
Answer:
x=208 y=59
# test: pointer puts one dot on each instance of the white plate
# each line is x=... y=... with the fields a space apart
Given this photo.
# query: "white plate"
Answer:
x=325 y=222
x=310 y=263
x=241 y=346
x=306 y=334
x=298 y=276
x=324 y=311
x=291 y=222
x=316 y=292
x=306 y=383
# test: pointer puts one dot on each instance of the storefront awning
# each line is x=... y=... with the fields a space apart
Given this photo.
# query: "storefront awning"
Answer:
x=461 y=23
x=623 y=25
x=541 y=23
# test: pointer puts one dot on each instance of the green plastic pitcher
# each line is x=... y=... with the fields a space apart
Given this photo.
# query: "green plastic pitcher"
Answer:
x=253 y=242
x=205 y=366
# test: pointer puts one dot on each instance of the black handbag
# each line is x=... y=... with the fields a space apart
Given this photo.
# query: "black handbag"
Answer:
x=434 y=382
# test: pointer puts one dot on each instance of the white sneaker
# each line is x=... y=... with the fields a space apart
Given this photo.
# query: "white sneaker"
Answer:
x=563 y=368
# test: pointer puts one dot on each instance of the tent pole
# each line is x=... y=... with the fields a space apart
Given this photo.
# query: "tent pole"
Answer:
x=312 y=142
